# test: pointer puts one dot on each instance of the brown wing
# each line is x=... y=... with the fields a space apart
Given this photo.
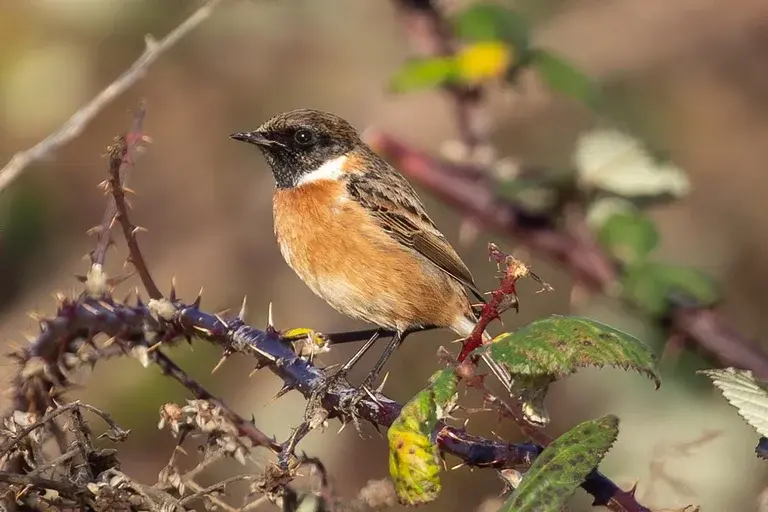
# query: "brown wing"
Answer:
x=394 y=204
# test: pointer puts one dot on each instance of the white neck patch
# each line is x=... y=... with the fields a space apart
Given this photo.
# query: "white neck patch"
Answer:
x=330 y=170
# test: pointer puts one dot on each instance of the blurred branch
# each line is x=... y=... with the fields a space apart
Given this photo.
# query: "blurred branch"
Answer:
x=80 y=119
x=588 y=264
x=473 y=194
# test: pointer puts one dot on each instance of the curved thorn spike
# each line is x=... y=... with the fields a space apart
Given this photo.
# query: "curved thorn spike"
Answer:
x=343 y=426
x=383 y=381
x=283 y=390
x=172 y=297
x=241 y=314
x=371 y=395
x=138 y=229
x=220 y=319
x=109 y=342
x=270 y=323
x=224 y=357
x=198 y=299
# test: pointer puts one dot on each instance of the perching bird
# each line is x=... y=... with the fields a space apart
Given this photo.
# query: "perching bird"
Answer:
x=356 y=233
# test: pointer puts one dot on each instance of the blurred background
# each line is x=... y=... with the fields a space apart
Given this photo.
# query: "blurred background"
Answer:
x=695 y=71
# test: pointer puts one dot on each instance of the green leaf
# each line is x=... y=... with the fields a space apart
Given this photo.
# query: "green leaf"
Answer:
x=563 y=466
x=628 y=236
x=413 y=457
x=424 y=74
x=554 y=347
x=650 y=285
x=748 y=395
x=563 y=78
x=491 y=22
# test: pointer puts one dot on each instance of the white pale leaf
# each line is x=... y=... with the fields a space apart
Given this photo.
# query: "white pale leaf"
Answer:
x=745 y=393
x=616 y=162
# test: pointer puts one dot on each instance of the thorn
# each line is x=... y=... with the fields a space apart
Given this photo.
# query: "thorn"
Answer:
x=270 y=323
x=93 y=311
x=109 y=341
x=138 y=229
x=383 y=381
x=202 y=330
x=127 y=190
x=343 y=426
x=254 y=371
x=457 y=466
x=241 y=314
x=198 y=299
x=154 y=346
x=104 y=185
x=466 y=422
x=172 y=297
x=224 y=357
x=371 y=395
x=107 y=306
x=283 y=390
x=220 y=319
x=112 y=222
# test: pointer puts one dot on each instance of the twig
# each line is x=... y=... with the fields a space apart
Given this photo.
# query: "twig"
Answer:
x=75 y=125
x=245 y=428
x=13 y=443
x=119 y=156
x=133 y=138
x=58 y=461
x=65 y=488
x=200 y=492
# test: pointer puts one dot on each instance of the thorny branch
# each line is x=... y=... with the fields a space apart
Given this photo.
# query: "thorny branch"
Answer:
x=472 y=193
x=75 y=125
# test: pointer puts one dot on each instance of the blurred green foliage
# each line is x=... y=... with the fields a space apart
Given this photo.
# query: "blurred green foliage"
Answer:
x=24 y=223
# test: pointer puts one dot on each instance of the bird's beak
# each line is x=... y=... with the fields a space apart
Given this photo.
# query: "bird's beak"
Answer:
x=252 y=137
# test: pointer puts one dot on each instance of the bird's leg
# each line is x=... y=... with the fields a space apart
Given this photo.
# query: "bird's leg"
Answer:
x=331 y=379
x=395 y=342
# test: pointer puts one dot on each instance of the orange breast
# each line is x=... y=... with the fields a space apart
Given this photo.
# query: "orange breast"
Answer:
x=339 y=251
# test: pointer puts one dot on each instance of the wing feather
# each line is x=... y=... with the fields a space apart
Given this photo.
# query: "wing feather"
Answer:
x=391 y=200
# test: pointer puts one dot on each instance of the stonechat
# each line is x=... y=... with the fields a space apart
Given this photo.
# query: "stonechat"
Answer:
x=357 y=234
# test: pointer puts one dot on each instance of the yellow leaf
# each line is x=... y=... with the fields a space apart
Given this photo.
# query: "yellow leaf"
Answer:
x=413 y=458
x=484 y=60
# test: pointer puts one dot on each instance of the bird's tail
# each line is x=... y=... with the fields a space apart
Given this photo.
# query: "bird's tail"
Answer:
x=464 y=329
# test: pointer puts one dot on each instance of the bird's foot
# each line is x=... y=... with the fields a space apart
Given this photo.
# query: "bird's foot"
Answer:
x=331 y=379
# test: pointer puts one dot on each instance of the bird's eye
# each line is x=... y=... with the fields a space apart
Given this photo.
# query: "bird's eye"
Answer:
x=304 y=137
